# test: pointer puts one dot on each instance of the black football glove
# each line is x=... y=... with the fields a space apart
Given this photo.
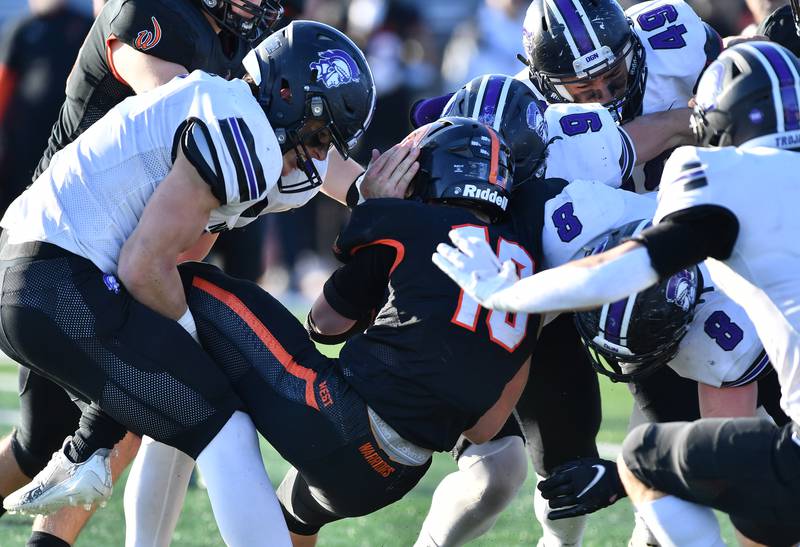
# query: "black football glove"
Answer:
x=581 y=487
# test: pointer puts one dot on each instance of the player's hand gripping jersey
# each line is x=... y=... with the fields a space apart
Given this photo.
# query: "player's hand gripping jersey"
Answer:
x=433 y=361
x=745 y=230
x=110 y=172
x=175 y=31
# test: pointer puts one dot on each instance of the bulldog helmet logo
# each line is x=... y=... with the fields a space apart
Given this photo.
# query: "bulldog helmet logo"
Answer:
x=335 y=68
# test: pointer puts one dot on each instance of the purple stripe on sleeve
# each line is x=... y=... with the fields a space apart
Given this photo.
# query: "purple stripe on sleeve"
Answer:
x=791 y=106
x=490 y=99
x=575 y=25
x=245 y=155
x=613 y=326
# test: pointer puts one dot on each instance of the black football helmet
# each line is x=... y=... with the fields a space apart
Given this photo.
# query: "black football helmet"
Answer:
x=463 y=162
x=630 y=339
x=315 y=86
x=509 y=107
x=260 y=18
x=751 y=93
x=573 y=41
x=782 y=27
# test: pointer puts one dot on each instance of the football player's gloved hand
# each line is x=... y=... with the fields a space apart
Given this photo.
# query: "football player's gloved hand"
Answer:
x=475 y=267
x=581 y=487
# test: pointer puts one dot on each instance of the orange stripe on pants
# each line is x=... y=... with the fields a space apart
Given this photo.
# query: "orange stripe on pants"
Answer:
x=263 y=333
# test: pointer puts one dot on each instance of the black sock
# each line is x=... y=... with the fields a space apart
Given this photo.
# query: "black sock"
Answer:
x=43 y=539
x=97 y=430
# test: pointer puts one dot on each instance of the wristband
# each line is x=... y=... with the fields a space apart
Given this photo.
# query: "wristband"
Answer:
x=187 y=322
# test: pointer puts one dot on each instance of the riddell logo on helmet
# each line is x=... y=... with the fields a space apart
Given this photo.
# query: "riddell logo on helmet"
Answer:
x=487 y=194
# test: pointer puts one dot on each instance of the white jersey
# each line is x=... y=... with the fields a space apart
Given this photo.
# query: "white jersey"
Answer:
x=759 y=187
x=674 y=40
x=721 y=347
x=583 y=211
x=93 y=194
x=585 y=143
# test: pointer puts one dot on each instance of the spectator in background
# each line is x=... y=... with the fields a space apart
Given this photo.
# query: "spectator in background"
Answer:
x=761 y=10
x=489 y=43
x=36 y=55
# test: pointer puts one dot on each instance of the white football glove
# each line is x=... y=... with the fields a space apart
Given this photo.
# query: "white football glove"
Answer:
x=475 y=267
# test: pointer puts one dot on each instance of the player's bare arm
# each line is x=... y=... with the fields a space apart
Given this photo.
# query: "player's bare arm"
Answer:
x=142 y=72
x=652 y=134
x=170 y=225
x=326 y=320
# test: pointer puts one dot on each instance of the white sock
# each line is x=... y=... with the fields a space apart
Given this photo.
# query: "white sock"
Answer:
x=467 y=503
x=641 y=534
x=679 y=523
x=557 y=533
x=242 y=497
x=154 y=494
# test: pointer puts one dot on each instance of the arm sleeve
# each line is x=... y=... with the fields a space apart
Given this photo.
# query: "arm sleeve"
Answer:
x=690 y=236
x=356 y=289
x=152 y=27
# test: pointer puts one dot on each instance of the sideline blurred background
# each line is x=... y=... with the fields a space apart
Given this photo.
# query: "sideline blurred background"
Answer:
x=416 y=48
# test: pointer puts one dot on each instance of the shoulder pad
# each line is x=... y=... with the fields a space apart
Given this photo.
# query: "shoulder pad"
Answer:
x=584 y=142
x=156 y=28
x=378 y=219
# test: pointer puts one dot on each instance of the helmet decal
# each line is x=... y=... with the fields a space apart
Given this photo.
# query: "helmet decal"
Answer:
x=681 y=289
x=710 y=86
x=615 y=317
x=335 y=67
x=580 y=36
x=146 y=39
x=536 y=121
x=786 y=94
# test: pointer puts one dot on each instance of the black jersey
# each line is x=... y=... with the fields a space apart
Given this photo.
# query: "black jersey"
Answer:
x=433 y=361
x=174 y=30
x=36 y=55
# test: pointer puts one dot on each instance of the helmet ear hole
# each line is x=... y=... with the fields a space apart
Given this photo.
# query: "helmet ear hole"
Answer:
x=286 y=90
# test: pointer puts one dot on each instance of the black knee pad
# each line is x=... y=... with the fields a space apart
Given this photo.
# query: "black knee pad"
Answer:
x=47 y=416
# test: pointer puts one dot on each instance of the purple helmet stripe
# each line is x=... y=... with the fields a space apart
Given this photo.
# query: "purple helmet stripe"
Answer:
x=575 y=25
x=788 y=85
x=490 y=99
x=616 y=312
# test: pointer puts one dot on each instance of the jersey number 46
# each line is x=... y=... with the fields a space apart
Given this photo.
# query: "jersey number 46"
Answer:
x=505 y=329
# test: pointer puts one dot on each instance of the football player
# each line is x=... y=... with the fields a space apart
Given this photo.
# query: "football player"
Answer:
x=708 y=208
x=360 y=430
x=94 y=271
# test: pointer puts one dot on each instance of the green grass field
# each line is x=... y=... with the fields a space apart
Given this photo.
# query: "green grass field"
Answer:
x=393 y=526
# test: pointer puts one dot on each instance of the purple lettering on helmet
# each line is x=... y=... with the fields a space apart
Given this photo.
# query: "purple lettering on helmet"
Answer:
x=575 y=25
x=787 y=82
x=335 y=67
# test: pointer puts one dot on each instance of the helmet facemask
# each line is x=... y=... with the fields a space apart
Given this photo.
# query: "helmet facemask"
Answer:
x=258 y=20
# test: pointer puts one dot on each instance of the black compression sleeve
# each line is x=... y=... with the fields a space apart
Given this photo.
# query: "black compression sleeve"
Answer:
x=358 y=287
x=690 y=236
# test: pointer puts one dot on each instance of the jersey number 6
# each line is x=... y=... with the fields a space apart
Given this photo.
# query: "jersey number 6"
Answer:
x=505 y=329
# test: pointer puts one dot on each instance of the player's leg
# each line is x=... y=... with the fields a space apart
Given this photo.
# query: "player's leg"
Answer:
x=560 y=415
x=167 y=387
x=66 y=524
x=745 y=467
x=154 y=494
x=467 y=503
x=350 y=462
x=47 y=415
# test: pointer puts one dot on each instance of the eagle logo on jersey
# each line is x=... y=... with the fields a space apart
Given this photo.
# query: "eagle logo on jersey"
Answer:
x=148 y=40
x=680 y=289
x=335 y=68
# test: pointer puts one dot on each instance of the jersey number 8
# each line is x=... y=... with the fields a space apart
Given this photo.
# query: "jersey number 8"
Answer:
x=505 y=329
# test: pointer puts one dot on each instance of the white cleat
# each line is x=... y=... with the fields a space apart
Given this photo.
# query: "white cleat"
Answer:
x=64 y=483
